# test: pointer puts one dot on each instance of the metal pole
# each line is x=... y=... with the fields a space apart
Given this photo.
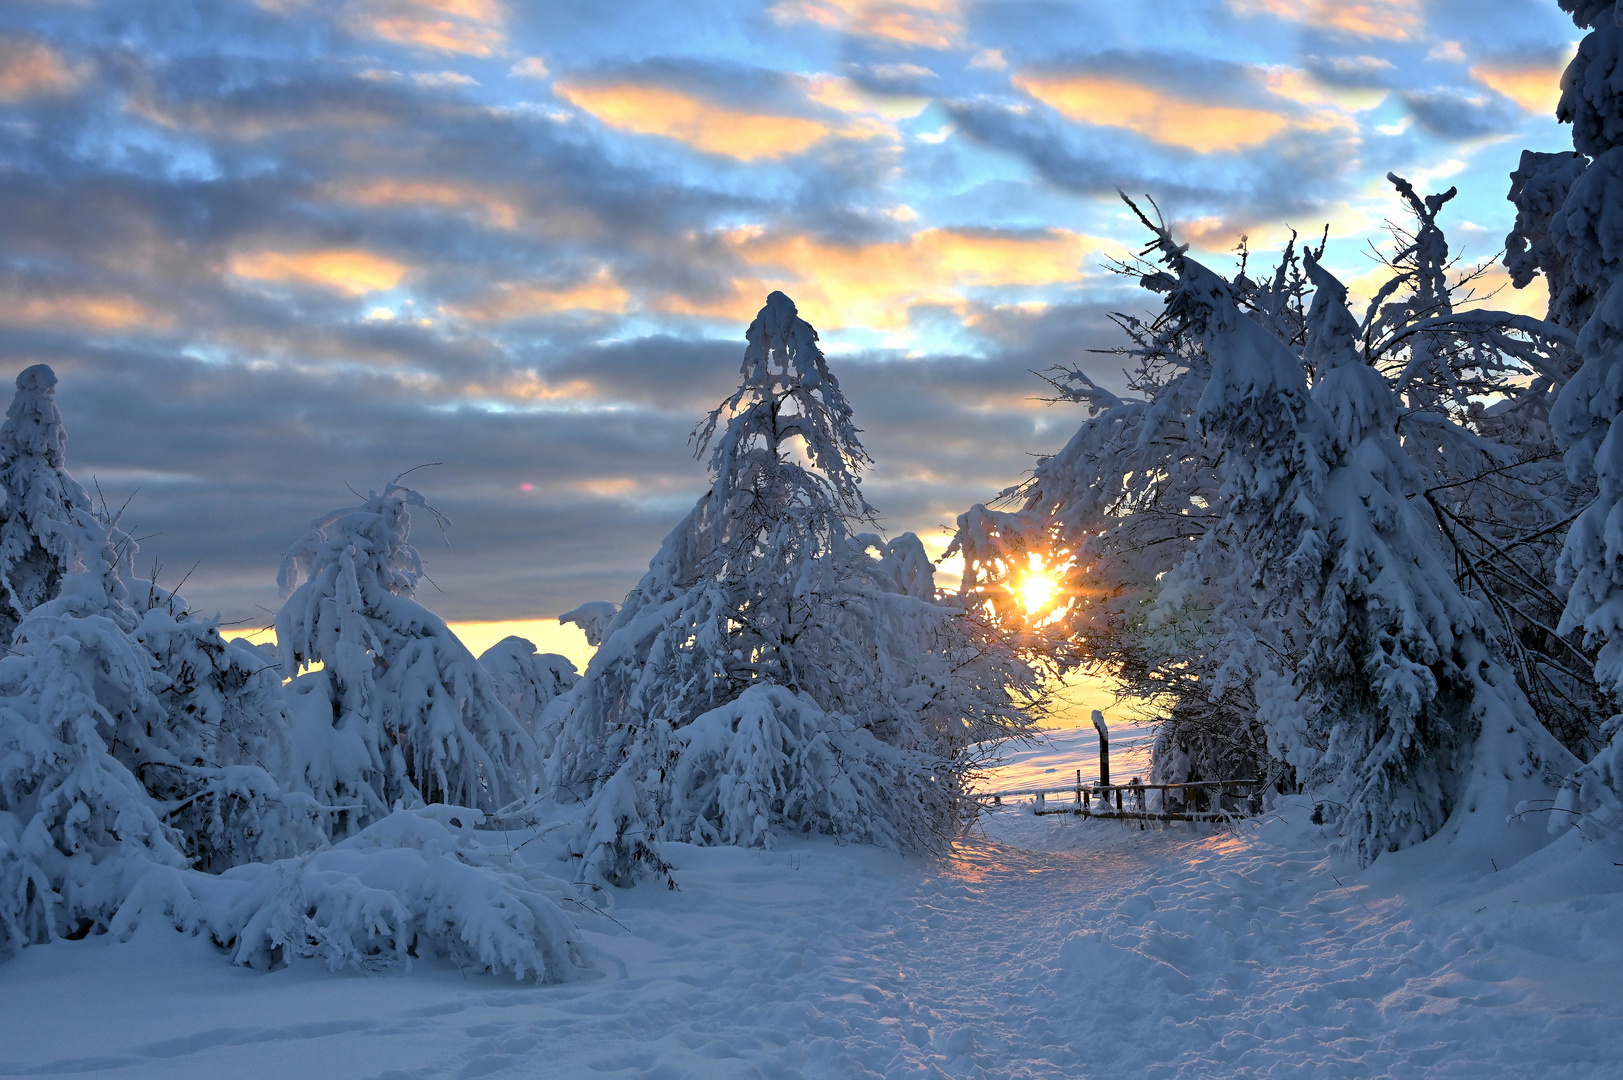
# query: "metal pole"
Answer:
x=1104 y=747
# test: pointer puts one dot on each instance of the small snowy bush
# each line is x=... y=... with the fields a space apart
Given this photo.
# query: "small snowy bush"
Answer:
x=414 y=885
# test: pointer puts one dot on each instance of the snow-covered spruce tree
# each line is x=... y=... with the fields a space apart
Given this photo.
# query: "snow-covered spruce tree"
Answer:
x=47 y=524
x=400 y=713
x=1412 y=718
x=1246 y=588
x=220 y=762
x=1585 y=250
x=1475 y=388
x=1374 y=676
x=767 y=673
x=528 y=683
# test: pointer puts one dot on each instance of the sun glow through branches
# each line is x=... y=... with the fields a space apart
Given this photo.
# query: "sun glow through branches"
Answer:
x=1036 y=589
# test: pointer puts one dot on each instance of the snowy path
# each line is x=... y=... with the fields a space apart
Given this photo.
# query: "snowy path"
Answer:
x=1049 y=948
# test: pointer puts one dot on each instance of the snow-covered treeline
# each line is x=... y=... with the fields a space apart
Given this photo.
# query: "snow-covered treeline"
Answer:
x=150 y=768
x=776 y=670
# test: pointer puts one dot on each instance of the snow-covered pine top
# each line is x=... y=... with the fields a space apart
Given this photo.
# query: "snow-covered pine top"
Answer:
x=1256 y=393
x=1359 y=401
x=783 y=445
x=380 y=526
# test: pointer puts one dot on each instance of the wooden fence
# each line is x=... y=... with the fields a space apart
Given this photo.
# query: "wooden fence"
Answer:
x=1197 y=800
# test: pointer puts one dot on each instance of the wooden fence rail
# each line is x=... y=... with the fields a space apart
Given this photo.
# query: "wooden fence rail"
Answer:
x=1133 y=792
x=1130 y=803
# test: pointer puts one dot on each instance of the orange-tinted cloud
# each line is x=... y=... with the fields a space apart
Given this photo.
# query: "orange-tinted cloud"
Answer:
x=701 y=124
x=873 y=285
x=350 y=271
x=1536 y=87
x=80 y=310
x=1497 y=292
x=1305 y=88
x=1156 y=114
x=490 y=205
x=517 y=300
x=1395 y=20
x=30 y=69
x=527 y=386
x=930 y=24
x=464 y=27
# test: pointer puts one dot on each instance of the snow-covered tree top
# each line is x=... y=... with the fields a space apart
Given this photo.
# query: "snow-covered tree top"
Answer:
x=593 y=618
x=787 y=394
x=379 y=529
x=33 y=424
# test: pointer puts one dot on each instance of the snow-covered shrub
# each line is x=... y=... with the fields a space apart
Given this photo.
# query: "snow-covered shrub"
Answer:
x=414 y=885
x=771 y=756
x=139 y=748
x=528 y=682
x=400 y=710
x=77 y=827
x=764 y=619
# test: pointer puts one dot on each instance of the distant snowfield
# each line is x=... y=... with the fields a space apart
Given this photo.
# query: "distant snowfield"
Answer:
x=1041 y=947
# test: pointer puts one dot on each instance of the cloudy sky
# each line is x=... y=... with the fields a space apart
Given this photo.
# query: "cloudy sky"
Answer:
x=278 y=249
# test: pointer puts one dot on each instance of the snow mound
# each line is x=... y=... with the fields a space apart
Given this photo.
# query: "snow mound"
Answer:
x=414 y=885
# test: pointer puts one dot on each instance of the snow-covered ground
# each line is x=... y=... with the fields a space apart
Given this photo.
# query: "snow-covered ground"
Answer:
x=1040 y=947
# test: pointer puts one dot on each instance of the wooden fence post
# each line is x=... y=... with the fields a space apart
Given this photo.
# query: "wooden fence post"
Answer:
x=1104 y=747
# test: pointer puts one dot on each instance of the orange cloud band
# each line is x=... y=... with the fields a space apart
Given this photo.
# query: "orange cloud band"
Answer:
x=349 y=271
x=81 y=310
x=31 y=69
x=701 y=124
x=1155 y=114
x=873 y=285
x=517 y=300
x=1395 y=20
